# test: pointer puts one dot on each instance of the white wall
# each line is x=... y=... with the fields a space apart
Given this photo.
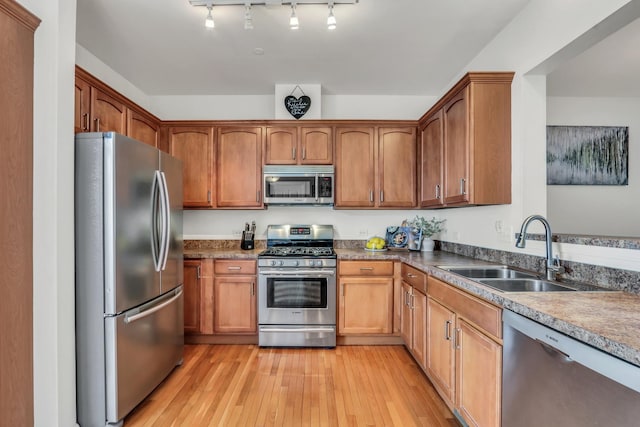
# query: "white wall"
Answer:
x=593 y=209
x=543 y=27
x=53 y=287
x=348 y=224
x=536 y=34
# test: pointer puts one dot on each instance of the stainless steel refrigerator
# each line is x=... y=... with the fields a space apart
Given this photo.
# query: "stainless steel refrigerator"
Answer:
x=129 y=273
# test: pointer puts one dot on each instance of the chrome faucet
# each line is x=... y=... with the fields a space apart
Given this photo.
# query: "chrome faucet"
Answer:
x=553 y=266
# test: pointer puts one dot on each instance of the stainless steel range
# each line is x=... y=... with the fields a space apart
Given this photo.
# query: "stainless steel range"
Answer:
x=297 y=287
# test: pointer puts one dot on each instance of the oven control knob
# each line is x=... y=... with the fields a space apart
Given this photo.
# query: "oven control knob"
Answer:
x=273 y=262
x=296 y=263
x=280 y=263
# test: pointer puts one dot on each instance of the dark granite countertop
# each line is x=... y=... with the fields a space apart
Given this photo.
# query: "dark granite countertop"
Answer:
x=607 y=320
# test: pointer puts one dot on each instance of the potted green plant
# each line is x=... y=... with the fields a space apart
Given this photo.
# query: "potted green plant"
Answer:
x=429 y=227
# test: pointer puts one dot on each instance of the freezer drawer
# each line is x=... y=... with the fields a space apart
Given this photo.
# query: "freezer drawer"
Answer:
x=143 y=346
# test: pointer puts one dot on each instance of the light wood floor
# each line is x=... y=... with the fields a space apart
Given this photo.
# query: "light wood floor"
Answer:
x=243 y=385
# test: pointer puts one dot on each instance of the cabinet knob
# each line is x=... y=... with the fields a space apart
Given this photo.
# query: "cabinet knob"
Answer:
x=437 y=191
x=293 y=153
x=463 y=186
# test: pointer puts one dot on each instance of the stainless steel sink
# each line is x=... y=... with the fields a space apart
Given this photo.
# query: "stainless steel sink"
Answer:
x=488 y=272
x=523 y=285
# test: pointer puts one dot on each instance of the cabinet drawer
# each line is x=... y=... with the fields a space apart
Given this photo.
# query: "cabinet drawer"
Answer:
x=484 y=315
x=233 y=266
x=414 y=277
x=366 y=268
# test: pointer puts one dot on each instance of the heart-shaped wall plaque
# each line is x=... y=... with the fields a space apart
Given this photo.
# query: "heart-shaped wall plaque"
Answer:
x=297 y=107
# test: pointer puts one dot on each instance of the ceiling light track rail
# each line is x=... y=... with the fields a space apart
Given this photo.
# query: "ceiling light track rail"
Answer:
x=265 y=2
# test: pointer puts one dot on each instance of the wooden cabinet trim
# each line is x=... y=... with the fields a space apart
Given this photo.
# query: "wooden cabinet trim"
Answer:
x=483 y=315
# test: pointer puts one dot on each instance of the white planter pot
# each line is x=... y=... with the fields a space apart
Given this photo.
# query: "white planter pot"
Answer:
x=428 y=245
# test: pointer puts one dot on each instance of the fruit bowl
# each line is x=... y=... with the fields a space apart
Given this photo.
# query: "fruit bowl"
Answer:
x=375 y=244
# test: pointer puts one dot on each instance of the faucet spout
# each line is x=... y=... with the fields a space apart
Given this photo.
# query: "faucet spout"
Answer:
x=552 y=266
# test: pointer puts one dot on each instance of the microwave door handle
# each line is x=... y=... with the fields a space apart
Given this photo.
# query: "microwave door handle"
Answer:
x=317 y=189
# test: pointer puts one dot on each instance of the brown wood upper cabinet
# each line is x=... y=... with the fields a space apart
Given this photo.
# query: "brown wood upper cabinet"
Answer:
x=98 y=108
x=239 y=167
x=472 y=123
x=299 y=145
x=431 y=162
x=375 y=167
x=194 y=145
x=142 y=127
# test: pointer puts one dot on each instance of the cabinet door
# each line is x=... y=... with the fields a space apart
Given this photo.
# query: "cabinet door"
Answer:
x=234 y=304
x=107 y=113
x=456 y=148
x=419 y=327
x=432 y=161
x=281 y=146
x=192 y=285
x=355 y=168
x=406 y=315
x=440 y=351
x=82 y=115
x=397 y=167
x=366 y=305
x=142 y=128
x=478 y=373
x=239 y=172
x=316 y=145
x=194 y=146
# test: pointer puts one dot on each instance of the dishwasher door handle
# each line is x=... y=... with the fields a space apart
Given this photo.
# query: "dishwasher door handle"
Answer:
x=552 y=351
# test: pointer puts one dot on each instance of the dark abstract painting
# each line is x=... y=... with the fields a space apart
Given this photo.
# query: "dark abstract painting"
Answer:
x=587 y=155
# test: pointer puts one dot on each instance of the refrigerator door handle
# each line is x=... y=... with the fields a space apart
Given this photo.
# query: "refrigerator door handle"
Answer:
x=143 y=314
x=156 y=248
x=166 y=221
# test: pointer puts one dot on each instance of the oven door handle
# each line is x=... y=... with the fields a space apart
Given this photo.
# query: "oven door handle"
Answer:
x=297 y=273
x=319 y=329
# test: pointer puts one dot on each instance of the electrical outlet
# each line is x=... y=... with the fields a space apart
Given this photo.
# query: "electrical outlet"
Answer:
x=236 y=233
x=455 y=235
x=364 y=232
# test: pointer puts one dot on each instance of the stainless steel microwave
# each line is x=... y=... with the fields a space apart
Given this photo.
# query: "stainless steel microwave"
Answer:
x=298 y=185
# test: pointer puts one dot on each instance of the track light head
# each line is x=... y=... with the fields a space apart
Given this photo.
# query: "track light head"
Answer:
x=294 y=24
x=331 y=19
x=208 y=22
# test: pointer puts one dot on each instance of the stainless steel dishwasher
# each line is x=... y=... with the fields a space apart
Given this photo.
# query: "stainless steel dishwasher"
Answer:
x=550 y=379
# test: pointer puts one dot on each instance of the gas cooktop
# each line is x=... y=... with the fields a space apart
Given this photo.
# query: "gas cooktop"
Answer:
x=298 y=251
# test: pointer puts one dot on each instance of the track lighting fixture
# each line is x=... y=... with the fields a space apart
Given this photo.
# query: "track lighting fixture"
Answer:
x=294 y=23
x=248 y=20
x=331 y=19
x=208 y=22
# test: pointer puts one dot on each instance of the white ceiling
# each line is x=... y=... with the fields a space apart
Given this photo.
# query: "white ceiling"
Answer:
x=381 y=47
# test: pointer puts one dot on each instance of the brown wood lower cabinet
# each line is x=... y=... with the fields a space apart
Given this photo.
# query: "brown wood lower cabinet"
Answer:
x=365 y=297
x=413 y=314
x=464 y=352
x=234 y=297
x=219 y=299
x=191 y=288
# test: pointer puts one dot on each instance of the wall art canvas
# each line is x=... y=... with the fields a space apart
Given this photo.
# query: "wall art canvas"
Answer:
x=587 y=155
